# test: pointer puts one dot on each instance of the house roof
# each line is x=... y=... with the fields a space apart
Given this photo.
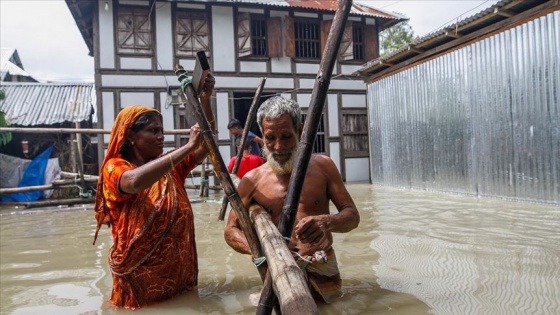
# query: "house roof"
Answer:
x=11 y=64
x=33 y=104
x=505 y=13
x=82 y=11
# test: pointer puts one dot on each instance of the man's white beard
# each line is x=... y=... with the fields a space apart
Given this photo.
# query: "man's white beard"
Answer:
x=286 y=167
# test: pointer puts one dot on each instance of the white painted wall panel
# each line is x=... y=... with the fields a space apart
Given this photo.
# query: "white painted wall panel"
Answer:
x=250 y=66
x=307 y=68
x=106 y=40
x=334 y=148
x=225 y=153
x=136 y=63
x=303 y=100
x=280 y=65
x=188 y=64
x=349 y=69
x=164 y=35
x=253 y=83
x=332 y=102
x=357 y=170
x=223 y=39
x=138 y=81
x=167 y=114
x=354 y=100
x=222 y=114
x=355 y=85
x=137 y=98
x=309 y=15
x=191 y=6
x=108 y=112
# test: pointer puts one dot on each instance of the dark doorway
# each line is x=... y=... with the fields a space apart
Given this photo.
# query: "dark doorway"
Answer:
x=241 y=105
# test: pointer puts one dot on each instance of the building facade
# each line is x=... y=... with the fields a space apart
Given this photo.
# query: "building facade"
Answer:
x=137 y=44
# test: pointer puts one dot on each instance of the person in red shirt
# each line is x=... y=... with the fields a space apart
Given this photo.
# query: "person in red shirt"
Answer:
x=248 y=161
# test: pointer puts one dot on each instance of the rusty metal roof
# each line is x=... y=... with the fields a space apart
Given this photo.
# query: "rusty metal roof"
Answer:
x=34 y=104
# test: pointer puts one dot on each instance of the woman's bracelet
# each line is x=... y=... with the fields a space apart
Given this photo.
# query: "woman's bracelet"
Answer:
x=171 y=160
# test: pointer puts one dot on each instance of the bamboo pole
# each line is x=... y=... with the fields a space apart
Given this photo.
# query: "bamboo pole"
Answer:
x=54 y=185
x=305 y=150
x=79 y=157
x=46 y=203
x=221 y=170
x=73 y=130
x=289 y=280
x=250 y=119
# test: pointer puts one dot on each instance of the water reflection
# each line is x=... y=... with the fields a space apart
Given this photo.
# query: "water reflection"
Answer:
x=413 y=253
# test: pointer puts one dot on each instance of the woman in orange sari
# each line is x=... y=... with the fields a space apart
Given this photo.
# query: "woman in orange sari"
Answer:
x=141 y=195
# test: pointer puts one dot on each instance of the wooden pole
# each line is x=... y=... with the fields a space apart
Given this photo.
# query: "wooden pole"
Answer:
x=73 y=130
x=79 y=158
x=220 y=169
x=250 y=119
x=311 y=125
x=289 y=280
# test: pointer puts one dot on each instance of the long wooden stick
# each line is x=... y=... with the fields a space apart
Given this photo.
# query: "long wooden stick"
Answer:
x=221 y=171
x=311 y=125
x=250 y=119
x=73 y=130
x=289 y=280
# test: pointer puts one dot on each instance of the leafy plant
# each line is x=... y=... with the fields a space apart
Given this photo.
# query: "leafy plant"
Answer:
x=396 y=37
x=5 y=137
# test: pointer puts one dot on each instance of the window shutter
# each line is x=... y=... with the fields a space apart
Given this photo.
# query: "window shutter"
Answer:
x=325 y=30
x=347 y=44
x=290 y=37
x=371 y=38
x=274 y=37
x=244 y=35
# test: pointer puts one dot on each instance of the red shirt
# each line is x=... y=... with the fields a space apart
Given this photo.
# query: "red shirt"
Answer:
x=247 y=163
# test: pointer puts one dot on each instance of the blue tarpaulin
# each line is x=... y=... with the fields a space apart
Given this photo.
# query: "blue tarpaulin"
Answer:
x=34 y=176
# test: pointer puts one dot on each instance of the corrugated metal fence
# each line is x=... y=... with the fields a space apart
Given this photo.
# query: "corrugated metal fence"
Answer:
x=483 y=120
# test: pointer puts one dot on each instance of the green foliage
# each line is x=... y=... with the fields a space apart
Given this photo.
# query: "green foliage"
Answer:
x=396 y=37
x=5 y=137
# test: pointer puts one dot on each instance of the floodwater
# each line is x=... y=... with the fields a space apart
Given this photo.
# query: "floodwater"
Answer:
x=415 y=252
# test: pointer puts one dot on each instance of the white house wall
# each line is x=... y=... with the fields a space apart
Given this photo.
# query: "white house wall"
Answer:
x=223 y=39
x=164 y=35
x=126 y=80
x=106 y=37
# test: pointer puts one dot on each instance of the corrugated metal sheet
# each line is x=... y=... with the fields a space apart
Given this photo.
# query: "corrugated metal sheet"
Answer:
x=483 y=120
x=480 y=16
x=32 y=104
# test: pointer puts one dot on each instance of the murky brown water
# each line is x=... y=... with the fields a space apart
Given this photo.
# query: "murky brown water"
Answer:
x=415 y=252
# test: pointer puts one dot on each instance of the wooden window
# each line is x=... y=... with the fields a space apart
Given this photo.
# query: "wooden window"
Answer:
x=191 y=34
x=354 y=127
x=371 y=42
x=134 y=31
x=320 y=140
x=307 y=39
x=258 y=36
x=358 y=42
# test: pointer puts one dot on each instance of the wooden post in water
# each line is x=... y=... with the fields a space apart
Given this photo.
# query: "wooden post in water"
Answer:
x=311 y=125
x=220 y=168
x=289 y=280
x=248 y=123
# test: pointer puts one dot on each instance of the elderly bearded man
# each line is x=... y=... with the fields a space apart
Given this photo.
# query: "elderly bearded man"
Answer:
x=311 y=242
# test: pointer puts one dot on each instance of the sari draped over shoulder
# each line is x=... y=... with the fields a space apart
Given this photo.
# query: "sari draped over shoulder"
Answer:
x=153 y=256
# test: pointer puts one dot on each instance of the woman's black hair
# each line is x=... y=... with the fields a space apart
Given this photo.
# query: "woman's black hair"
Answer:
x=138 y=124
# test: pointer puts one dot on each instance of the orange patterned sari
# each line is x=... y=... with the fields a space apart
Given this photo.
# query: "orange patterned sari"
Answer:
x=153 y=256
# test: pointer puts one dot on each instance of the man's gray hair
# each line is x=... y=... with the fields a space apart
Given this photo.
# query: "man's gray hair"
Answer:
x=277 y=106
